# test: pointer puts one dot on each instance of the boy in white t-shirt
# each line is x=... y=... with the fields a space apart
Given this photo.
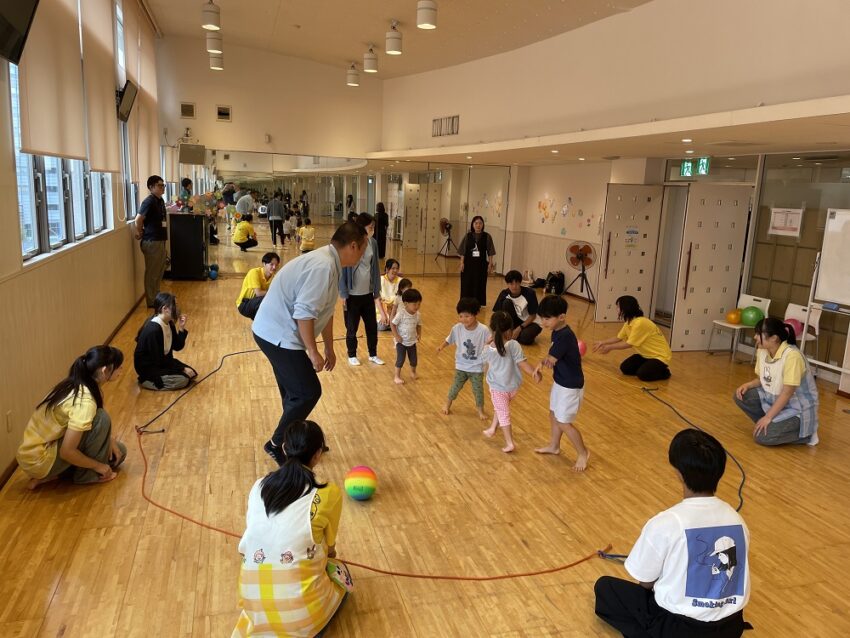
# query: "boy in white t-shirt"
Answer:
x=470 y=337
x=690 y=560
x=407 y=328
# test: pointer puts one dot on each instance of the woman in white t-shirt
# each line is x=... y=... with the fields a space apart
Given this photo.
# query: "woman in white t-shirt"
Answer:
x=783 y=400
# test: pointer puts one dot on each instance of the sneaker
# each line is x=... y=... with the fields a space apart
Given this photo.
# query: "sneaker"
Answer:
x=376 y=360
x=353 y=361
x=813 y=440
x=275 y=452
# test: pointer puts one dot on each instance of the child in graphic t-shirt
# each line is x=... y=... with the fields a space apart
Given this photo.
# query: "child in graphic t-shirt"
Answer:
x=407 y=328
x=690 y=561
x=568 y=389
x=505 y=359
x=470 y=337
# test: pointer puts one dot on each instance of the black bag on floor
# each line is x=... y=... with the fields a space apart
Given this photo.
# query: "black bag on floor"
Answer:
x=555 y=282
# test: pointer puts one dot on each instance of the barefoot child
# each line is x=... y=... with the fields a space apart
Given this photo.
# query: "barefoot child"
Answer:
x=470 y=337
x=568 y=389
x=407 y=328
x=504 y=360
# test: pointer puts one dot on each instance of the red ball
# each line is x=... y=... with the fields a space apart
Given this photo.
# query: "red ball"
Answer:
x=582 y=347
x=797 y=325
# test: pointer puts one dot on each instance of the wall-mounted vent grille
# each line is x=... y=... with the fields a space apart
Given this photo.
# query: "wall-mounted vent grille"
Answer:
x=222 y=113
x=187 y=110
x=443 y=126
x=227 y=156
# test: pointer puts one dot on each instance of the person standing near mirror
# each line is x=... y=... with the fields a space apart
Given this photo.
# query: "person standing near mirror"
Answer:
x=477 y=260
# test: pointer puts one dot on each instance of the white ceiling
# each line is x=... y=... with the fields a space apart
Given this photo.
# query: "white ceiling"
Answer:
x=338 y=32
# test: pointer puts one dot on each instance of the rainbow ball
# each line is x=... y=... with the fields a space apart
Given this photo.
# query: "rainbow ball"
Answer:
x=360 y=483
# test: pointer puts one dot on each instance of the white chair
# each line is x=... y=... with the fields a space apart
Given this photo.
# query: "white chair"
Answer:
x=798 y=312
x=744 y=301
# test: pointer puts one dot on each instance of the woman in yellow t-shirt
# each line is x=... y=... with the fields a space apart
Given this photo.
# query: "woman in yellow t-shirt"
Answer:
x=308 y=236
x=70 y=431
x=244 y=234
x=289 y=583
x=653 y=355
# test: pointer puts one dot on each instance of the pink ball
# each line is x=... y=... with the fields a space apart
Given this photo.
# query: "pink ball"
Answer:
x=582 y=347
x=797 y=325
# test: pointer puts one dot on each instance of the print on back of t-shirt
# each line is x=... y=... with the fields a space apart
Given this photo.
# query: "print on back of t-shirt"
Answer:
x=716 y=563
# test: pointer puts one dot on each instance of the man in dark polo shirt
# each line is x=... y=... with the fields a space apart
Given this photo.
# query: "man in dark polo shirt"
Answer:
x=151 y=230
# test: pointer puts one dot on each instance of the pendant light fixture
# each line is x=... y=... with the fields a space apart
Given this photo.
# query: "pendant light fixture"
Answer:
x=370 y=61
x=393 y=39
x=426 y=14
x=352 y=78
x=216 y=62
x=211 y=16
x=214 y=42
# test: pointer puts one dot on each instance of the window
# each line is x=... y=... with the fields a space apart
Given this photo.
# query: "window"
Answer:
x=119 y=32
x=78 y=196
x=54 y=198
x=97 y=204
x=24 y=172
x=108 y=214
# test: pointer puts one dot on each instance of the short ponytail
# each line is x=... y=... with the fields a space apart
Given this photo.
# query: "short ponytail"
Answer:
x=82 y=373
x=294 y=478
x=773 y=327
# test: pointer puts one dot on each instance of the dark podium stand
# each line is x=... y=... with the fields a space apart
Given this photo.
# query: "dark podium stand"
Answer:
x=187 y=236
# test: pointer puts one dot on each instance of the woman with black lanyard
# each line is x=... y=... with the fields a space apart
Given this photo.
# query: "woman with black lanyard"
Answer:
x=477 y=254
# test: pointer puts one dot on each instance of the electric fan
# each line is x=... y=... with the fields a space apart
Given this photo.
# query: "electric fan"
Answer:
x=581 y=256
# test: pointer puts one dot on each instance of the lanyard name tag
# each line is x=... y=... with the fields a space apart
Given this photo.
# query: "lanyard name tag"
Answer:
x=476 y=252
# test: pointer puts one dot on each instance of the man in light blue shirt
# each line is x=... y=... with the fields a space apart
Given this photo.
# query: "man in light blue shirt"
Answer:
x=299 y=304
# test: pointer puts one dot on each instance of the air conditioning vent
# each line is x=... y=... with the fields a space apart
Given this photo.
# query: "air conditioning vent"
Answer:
x=442 y=126
x=187 y=110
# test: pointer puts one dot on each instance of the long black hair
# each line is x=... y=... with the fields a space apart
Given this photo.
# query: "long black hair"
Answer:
x=294 y=478
x=472 y=224
x=500 y=323
x=773 y=327
x=629 y=308
x=82 y=374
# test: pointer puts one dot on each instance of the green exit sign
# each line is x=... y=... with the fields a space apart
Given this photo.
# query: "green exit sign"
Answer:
x=686 y=168
x=703 y=164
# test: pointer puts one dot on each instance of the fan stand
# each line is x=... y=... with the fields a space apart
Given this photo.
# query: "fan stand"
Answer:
x=582 y=277
x=444 y=250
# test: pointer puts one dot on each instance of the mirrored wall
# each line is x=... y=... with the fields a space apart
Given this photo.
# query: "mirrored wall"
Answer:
x=430 y=206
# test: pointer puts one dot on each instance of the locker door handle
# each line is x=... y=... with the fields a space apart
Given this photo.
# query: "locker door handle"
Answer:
x=688 y=270
x=607 y=255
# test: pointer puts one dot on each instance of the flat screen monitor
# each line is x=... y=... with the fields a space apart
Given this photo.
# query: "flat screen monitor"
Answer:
x=15 y=22
x=126 y=98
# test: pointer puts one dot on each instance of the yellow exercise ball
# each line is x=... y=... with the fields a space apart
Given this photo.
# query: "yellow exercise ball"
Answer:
x=734 y=316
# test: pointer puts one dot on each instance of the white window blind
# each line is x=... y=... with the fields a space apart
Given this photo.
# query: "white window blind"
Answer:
x=148 y=139
x=51 y=76
x=100 y=85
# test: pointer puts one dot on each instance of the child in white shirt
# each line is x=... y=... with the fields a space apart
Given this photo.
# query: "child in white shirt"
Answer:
x=504 y=359
x=470 y=337
x=407 y=329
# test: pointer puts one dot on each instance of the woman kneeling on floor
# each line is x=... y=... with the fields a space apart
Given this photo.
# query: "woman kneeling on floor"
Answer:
x=158 y=338
x=783 y=400
x=289 y=584
x=70 y=433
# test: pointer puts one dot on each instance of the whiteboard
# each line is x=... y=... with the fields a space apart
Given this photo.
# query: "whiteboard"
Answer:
x=834 y=271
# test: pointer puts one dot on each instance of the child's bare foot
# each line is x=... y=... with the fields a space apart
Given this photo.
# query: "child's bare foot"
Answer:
x=508 y=448
x=581 y=462
x=34 y=483
x=481 y=415
x=399 y=380
x=548 y=450
x=413 y=375
x=489 y=432
x=447 y=408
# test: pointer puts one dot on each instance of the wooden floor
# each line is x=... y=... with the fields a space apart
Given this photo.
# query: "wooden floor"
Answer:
x=100 y=561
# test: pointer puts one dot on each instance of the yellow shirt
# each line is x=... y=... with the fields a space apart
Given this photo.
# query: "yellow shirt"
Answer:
x=647 y=340
x=324 y=514
x=46 y=428
x=243 y=231
x=253 y=280
x=308 y=237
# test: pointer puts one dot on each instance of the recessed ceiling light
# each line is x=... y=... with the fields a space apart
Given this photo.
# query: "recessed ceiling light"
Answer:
x=555 y=151
x=731 y=158
x=799 y=164
x=580 y=159
x=818 y=163
x=796 y=158
x=469 y=157
x=686 y=140
x=689 y=152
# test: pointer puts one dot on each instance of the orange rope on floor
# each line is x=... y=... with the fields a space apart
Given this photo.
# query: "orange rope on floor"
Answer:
x=377 y=570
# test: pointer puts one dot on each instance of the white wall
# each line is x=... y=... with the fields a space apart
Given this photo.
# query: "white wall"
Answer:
x=305 y=106
x=665 y=59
